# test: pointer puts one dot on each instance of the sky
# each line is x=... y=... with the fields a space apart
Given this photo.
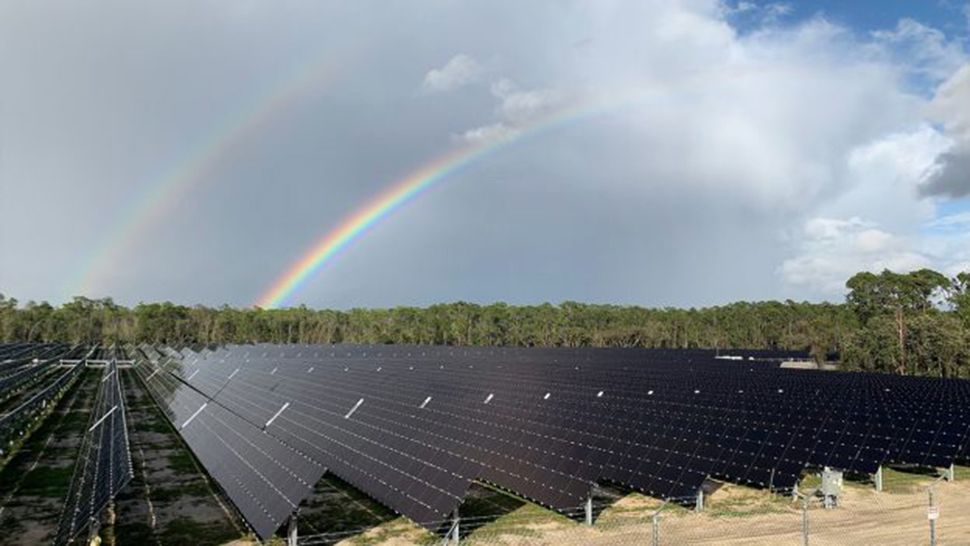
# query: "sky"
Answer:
x=657 y=153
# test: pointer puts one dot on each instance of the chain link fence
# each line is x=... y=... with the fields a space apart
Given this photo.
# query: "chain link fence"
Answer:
x=912 y=510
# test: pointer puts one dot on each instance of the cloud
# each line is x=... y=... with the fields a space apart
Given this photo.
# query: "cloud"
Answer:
x=458 y=72
x=718 y=157
x=951 y=107
x=768 y=13
x=488 y=133
x=882 y=179
x=519 y=106
x=830 y=228
x=923 y=49
x=515 y=110
x=831 y=255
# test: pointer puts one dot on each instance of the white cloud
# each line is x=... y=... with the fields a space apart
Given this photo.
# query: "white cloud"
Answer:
x=776 y=10
x=769 y=13
x=460 y=71
x=829 y=257
x=516 y=108
x=488 y=133
x=881 y=189
x=924 y=50
x=872 y=241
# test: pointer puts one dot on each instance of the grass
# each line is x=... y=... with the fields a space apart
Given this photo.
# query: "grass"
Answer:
x=183 y=530
x=181 y=462
x=737 y=501
x=907 y=480
x=336 y=507
x=135 y=532
x=45 y=481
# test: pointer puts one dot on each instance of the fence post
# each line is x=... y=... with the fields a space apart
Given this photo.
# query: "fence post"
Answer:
x=656 y=530
x=805 y=520
x=932 y=514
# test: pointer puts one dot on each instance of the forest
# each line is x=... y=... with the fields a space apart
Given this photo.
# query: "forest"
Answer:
x=904 y=323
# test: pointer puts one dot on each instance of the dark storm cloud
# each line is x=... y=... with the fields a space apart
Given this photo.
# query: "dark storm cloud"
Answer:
x=953 y=179
x=951 y=108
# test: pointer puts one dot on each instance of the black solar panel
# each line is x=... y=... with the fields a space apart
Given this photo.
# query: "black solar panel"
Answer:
x=414 y=426
x=104 y=459
x=264 y=478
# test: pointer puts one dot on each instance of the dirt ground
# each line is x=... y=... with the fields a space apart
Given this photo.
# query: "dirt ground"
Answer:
x=734 y=515
x=864 y=517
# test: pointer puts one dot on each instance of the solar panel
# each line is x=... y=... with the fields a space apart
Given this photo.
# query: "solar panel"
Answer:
x=104 y=460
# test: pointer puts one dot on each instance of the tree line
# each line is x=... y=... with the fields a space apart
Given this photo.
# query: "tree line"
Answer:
x=911 y=323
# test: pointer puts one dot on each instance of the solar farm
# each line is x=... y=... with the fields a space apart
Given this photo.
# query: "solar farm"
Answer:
x=324 y=444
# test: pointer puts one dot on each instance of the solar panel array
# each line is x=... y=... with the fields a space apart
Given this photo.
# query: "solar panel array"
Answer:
x=413 y=426
x=104 y=459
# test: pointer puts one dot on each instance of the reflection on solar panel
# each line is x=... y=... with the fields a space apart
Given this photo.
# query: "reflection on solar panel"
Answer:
x=414 y=426
x=104 y=460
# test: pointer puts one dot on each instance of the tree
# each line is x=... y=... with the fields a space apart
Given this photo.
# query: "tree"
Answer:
x=960 y=296
x=899 y=294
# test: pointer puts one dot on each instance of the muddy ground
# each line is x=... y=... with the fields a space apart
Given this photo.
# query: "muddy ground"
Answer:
x=35 y=481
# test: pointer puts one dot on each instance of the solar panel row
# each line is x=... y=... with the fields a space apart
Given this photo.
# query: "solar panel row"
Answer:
x=14 y=421
x=104 y=459
x=265 y=479
x=40 y=351
x=413 y=426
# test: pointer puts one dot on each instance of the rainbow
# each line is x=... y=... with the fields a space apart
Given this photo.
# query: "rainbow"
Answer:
x=202 y=160
x=399 y=194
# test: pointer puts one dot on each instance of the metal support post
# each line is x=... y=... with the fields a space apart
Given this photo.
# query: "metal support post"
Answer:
x=94 y=531
x=950 y=473
x=805 y=521
x=877 y=478
x=656 y=530
x=931 y=514
x=699 y=505
x=291 y=533
x=453 y=533
x=589 y=509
